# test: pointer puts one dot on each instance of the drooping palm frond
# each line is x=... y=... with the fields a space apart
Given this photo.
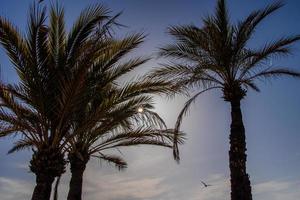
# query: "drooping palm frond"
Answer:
x=274 y=72
x=16 y=117
x=116 y=160
x=13 y=43
x=21 y=145
x=8 y=130
x=254 y=59
x=182 y=113
x=160 y=137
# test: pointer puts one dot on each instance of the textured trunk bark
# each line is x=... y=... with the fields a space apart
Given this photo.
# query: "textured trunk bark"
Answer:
x=240 y=183
x=77 y=169
x=46 y=163
x=42 y=190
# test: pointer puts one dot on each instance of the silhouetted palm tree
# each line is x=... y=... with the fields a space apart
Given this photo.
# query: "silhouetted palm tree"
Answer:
x=216 y=56
x=111 y=117
x=69 y=98
x=50 y=67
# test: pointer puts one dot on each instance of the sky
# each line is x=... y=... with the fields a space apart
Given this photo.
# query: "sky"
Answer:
x=272 y=117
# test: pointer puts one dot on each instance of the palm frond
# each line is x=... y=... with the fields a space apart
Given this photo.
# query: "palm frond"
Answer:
x=124 y=68
x=118 y=49
x=245 y=28
x=182 y=113
x=21 y=145
x=57 y=35
x=279 y=47
x=12 y=120
x=106 y=29
x=9 y=130
x=275 y=72
x=119 y=162
x=249 y=83
x=83 y=27
x=222 y=18
x=141 y=142
x=144 y=86
x=13 y=44
x=172 y=71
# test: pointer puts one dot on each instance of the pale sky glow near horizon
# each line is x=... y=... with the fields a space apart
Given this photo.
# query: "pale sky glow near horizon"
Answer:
x=271 y=117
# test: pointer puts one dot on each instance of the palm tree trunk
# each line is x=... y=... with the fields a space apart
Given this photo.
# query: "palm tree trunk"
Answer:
x=42 y=190
x=77 y=170
x=46 y=163
x=240 y=183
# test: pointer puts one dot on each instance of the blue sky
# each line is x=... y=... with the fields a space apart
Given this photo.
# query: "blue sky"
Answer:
x=272 y=117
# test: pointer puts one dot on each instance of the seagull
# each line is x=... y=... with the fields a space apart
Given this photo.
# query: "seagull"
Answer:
x=205 y=185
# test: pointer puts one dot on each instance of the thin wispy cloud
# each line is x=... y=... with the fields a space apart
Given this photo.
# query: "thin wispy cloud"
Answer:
x=15 y=189
x=111 y=184
x=277 y=190
x=112 y=188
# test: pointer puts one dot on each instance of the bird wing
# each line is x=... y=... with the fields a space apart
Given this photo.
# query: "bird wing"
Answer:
x=203 y=183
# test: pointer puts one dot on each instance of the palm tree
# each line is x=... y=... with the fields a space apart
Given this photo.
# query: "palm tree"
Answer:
x=69 y=98
x=50 y=66
x=121 y=125
x=217 y=56
x=111 y=118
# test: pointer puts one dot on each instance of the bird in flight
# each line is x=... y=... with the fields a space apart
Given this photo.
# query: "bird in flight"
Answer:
x=205 y=185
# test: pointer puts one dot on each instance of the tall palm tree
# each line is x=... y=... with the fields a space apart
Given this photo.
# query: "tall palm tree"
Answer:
x=40 y=108
x=111 y=118
x=69 y=97
x=217 y=56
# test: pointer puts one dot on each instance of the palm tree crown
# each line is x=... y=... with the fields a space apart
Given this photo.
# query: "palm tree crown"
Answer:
x=49 y=65
x=217 y=56
x=109 y=118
